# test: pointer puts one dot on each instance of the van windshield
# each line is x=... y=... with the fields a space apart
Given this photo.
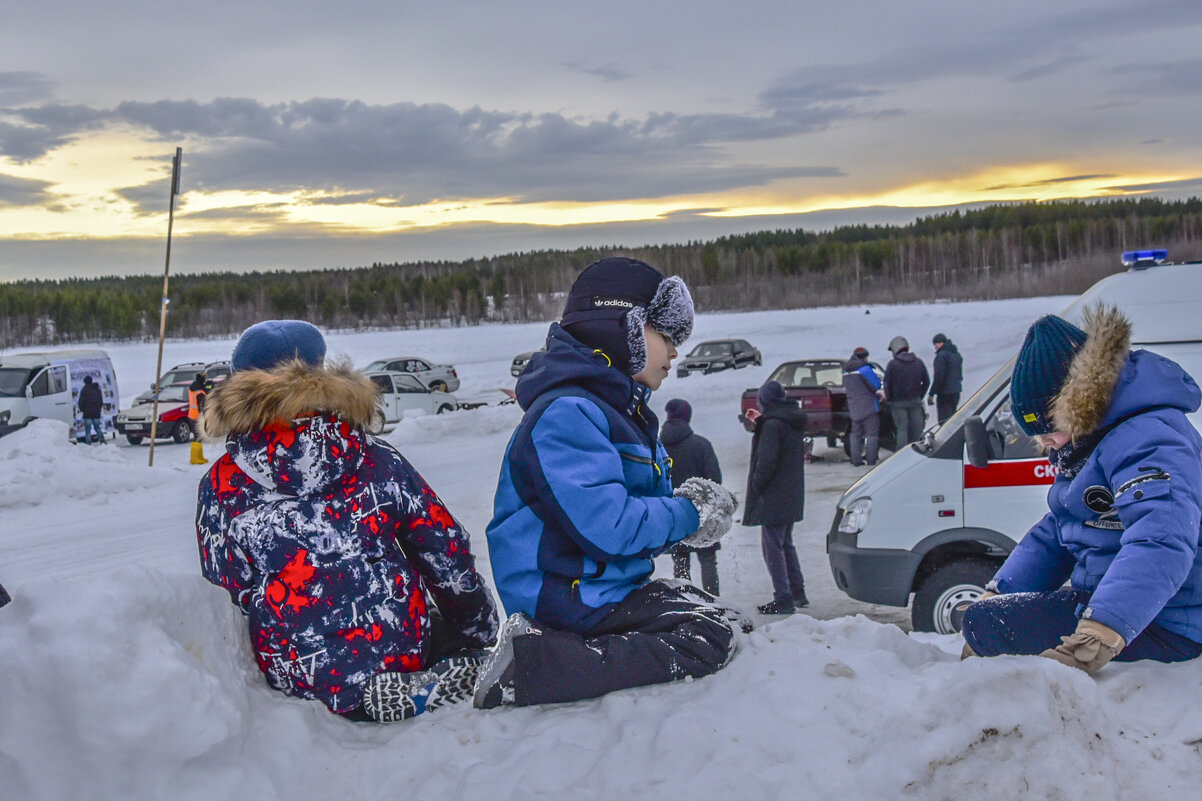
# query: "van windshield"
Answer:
x=13 y=381
x=974 y=405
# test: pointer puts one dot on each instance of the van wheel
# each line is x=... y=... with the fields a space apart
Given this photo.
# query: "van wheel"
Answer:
x=375 y=425
x=444 y=408
x=182 y=432
x=133 y=439
x=952 y=584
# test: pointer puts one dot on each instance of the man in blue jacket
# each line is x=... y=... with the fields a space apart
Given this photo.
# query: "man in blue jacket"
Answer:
x=1125 y=513
x=864 y=396
x=585 y=503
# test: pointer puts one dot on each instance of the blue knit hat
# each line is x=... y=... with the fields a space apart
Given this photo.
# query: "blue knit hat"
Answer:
x=1040 y=371
x=272 y=342
x=771 y=392
x=611 y=301
x=678 y=409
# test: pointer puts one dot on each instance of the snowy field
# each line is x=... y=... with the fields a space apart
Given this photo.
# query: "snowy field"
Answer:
x=124 y=675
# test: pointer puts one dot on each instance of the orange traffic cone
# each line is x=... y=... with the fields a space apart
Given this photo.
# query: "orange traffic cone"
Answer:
x=198 y=453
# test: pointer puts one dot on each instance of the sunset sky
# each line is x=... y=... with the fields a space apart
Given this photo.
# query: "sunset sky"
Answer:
x=318 y=134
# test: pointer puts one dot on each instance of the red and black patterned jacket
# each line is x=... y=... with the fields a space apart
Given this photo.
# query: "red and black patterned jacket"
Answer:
x=327 y=538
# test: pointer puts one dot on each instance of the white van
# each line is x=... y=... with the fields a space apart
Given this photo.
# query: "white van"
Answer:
x=47 y=385
x=928 y=522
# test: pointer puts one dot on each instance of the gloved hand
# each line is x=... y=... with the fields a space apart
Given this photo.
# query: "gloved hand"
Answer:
x=1089 y=648
x=715 y=504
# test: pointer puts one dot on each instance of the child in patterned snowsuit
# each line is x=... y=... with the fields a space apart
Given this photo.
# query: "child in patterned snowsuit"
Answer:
x=354 y=577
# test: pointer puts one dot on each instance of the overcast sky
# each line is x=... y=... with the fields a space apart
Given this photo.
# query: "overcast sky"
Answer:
x=320 y=134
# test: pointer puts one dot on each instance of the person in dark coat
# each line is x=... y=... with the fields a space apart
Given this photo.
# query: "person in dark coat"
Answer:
x=91 y=407
x=906 y=381
x=692 y=456
x=776 y=494
x=947 y=381
x=4 y=596
x=864 y=396
x=359 y=587
x=1123 y=526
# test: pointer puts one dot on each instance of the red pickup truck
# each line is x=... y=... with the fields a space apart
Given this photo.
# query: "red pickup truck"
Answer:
x=817 y=385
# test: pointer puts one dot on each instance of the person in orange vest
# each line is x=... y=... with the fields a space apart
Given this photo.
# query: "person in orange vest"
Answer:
x=197 y=392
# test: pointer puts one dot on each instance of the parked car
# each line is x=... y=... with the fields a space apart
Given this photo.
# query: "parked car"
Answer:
x=216 y=372
x=817 y=385
x=179 y=374
x=402 y=391
x=135 y=422
x=440 y=377
x=47 y=385
x=714 y=355
x=521 y=360
x=938 y=518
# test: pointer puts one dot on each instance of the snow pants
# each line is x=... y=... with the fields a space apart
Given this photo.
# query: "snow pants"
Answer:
x=656 y=635
x=707 y=557
x=865 y=439
x=909 y=420
x=1032 y=622
x=780 y=557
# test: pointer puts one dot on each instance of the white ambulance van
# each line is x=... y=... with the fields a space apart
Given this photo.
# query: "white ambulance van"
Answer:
x=47 y=385
x=938 y=518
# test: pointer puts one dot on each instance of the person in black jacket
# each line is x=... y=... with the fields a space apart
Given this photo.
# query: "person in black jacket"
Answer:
x=948 y=378
x=906 y=381
x=91 y=406
x=776 y=493
x=4 y=596
x=692 y=456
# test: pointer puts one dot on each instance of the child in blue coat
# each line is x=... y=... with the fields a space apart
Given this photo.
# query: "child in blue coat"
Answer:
x=1125 y=515
x=585 y=503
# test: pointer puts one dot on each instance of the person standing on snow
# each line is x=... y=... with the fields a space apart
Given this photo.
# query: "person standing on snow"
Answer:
x=864 y=396
x=91 y=407
x=776 y=493
x=947 y=382
x=906 y=381
x=585 y=503
x=692 y=456
x=360 y=588
x=1125 y=515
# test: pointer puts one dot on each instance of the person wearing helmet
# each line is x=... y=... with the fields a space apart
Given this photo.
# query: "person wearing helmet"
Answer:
x=906 y=381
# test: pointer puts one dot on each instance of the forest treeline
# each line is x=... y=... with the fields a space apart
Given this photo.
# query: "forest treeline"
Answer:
x=1011 y=250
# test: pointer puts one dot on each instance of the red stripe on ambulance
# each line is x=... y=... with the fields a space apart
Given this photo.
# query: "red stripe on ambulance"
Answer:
x=1012 y=473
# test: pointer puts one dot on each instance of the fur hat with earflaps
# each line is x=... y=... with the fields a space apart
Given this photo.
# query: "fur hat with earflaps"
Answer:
x=613 y=299
x=278 y=373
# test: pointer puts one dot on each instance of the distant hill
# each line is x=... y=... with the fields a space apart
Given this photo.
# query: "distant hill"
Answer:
x=1007 y=250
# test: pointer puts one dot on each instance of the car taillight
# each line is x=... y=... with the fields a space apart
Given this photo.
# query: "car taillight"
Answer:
x=454 y=373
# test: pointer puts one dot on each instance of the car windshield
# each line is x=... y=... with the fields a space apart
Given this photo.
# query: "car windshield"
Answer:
x=13 y=380
x=378 y=364
x=809 y=374
x=712 y=349
x=179 y=376
x=974 y=405
x=177 y=393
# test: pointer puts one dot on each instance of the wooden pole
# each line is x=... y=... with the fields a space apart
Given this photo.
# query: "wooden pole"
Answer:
x=158 y=370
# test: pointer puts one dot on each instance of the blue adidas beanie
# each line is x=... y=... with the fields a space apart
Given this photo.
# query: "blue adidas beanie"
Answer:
x=272 y=342
x=1040 y=370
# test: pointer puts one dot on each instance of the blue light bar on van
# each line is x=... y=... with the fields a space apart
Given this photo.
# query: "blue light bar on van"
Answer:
x=1133 y=258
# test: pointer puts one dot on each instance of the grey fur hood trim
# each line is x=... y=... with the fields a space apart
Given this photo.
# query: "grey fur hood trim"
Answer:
x=1088 y=390
x=250 y=399
x=670 y=312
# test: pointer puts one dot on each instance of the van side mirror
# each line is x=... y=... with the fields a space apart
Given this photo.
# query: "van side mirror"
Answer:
x=29 y=390
x=976 y=441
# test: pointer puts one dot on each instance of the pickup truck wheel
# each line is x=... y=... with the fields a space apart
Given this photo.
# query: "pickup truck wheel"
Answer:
x=133 y=439
x=375 y=425
x=439 y=386
x=950 y=585
x=182 y=432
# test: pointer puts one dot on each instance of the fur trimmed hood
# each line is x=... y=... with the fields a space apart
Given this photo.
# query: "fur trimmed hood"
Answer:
x=1081 y=406
x=250 y=400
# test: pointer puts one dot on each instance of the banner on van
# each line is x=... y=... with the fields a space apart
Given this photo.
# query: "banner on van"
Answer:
x=1010 y=473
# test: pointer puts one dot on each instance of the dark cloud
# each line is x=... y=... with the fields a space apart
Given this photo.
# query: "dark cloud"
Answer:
x=606 y=72
x=24 y=87
x=23 y=191
x=1170 y=187
x=1047 y=182
x=49 y=127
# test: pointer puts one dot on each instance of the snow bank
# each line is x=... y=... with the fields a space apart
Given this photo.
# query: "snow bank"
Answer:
x=38 y=463
x=152 y=693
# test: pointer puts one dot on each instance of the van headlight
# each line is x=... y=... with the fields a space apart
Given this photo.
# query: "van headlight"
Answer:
x=855 y=516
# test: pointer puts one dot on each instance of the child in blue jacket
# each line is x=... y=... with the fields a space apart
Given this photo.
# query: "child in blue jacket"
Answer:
x=1125 y=515
x=585 y=503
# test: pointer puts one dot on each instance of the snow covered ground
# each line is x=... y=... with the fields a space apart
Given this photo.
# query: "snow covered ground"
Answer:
x=124 y=675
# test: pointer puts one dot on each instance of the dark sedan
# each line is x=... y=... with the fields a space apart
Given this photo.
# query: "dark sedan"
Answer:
x=714 y=355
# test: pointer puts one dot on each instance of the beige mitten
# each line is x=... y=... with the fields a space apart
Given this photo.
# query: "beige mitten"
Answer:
x=1090 y=647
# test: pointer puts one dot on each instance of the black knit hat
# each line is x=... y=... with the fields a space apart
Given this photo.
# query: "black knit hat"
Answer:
x=771 y=392
x=679 y=409
x=1040 y=370
x=611 y=301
